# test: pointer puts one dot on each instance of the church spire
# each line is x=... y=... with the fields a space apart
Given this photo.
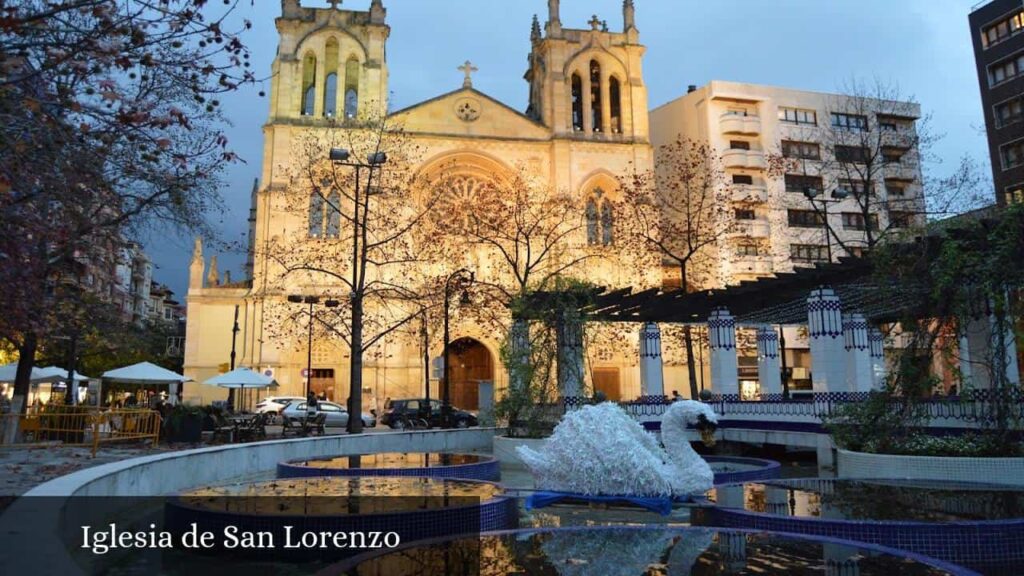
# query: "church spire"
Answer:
x=377 y=12
x=554 y=26
x=628 y=15
x=290 y=9
x=535 y=30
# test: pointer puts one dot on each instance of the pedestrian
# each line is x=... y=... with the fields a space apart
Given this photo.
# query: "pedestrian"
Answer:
x=311 y=405
x=675 y=396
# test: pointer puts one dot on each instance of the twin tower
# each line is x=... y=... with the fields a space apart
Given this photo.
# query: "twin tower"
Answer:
x=585 y=83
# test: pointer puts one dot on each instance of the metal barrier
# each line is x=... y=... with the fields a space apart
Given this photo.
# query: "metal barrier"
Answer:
x=81 y=426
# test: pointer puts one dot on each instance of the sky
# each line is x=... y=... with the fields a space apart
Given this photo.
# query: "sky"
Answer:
x=922 y=45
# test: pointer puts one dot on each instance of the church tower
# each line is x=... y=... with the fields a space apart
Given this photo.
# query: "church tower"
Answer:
x=588 y=83
x=330 y=62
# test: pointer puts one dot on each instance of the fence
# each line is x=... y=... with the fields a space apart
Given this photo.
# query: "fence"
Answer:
x=79 y=426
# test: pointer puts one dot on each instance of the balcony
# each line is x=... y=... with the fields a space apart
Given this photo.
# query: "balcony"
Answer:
x=901 y=172
x=748 y=159
x=739 y=124
x=753 y=265
x=752 y=194
x=751 y=229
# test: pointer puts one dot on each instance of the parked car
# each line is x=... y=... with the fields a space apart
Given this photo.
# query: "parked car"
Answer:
x=423 y=409
x=337 y=415
x=274 y=404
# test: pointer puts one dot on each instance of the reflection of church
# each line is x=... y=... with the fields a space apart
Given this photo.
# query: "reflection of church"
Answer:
x=585 y=123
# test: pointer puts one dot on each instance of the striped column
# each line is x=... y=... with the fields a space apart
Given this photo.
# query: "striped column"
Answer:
x=828 y=348
x=724 y=368
x=859 y=376
x=769 y=369
x=879 y=371
x=652 y=379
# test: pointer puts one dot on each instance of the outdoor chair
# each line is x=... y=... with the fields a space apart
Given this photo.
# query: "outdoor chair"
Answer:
x=288 y=426
x=224 y=429
x=316 y=425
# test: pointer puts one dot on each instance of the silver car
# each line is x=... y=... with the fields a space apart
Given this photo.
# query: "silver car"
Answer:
x=337 y=415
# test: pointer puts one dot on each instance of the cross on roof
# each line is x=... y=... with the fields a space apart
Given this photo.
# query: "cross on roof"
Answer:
x=595 y=22
x=334 y=3
x=468 y=70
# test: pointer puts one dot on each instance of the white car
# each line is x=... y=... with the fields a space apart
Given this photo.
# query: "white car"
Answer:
x=274 y=404
x=337 y=415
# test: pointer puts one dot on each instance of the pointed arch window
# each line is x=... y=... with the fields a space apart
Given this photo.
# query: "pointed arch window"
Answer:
x=600 y=219
x=331 y=80
x=595 y=96
x=308 y=85
x=316 y=215
x=577 y=103
x=333 y=209
x=615 y=95
x=351 y=88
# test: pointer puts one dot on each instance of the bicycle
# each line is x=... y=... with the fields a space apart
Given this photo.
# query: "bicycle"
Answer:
x=404 y=422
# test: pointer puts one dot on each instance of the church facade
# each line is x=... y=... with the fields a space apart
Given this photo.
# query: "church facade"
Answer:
x=586 y=124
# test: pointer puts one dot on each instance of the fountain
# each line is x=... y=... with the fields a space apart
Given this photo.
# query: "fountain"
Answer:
x=432 y=464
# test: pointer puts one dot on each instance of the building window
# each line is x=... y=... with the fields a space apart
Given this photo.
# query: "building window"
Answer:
x=316 y=215
x=615 y=93
x=852 y=154
x=806 y=219
x=887 y=123
x=595 y=96
x=308 y=85
x=852 y=122
x=855 y=187
x=743 y=179
x=600 y=220
x=577 y=103
x=747 y=250
x=745 y=214
x=892 y=155
x=1009 y=112
x=1014 y=194
x=1001 y=30
x=803 y=150
x=736 y=112
x=1012 y=154
x=899 y=219
x=808 y=253
x=1005 y=69
x=331 y=80
x=739 y=145
x=895 y=189
x=855 y=251
x=801 y=182
x=855 y=221
x=798 y=116
x=333 y=209
x=351 y=88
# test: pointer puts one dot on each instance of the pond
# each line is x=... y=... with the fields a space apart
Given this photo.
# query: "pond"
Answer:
x=434 y=464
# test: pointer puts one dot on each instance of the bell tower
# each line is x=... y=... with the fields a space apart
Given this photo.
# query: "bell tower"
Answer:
x=330 y=62
x=587 y=83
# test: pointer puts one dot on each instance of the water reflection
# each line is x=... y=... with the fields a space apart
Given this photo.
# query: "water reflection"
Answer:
x=331 y=496
x=927 y=501
x=634 y=552
x=391 y=460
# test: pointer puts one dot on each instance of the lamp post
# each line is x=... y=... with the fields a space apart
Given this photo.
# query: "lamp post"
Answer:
x=375 y=160
x=463 y=278
x=312 y=301
x=838 y=195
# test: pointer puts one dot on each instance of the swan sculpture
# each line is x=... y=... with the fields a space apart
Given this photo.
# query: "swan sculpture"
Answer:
x=600 y=450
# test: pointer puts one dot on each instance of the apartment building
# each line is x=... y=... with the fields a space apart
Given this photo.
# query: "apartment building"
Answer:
x=795 y=160
x=999 y=54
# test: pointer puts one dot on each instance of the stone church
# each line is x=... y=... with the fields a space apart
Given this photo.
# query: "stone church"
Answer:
x=585 y=123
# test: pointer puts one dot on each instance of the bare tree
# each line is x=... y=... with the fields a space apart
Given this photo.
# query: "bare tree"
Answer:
x=681 y=212
x=358 y=247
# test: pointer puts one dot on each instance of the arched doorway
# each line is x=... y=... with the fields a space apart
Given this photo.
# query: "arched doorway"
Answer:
x=471 y=362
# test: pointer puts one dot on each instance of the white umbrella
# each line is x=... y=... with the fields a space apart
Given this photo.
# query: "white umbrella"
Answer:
x=8 y=373
x=242 y=378
x=62 y=373
x=144 y=373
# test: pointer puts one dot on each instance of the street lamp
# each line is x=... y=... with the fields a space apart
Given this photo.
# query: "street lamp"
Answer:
x=374 y=160
x=462 y=278
x=838 y=195
x=311 y=300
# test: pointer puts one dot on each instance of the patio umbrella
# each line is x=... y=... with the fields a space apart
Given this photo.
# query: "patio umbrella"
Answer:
x=242 y=379
x=148 y=373
x=62 y=373
x=9 y=371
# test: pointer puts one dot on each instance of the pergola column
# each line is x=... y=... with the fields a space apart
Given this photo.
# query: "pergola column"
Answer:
x=652 y=380
x=519 y=353
x=724 y=368
x=982 y=336
x=859 y=373
x=878 y=368
x=828 y=353
x=769 y=370
x=570 y=356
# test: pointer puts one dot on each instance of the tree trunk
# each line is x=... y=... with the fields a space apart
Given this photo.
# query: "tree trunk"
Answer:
x=22 y=381
x=691 y=369
x=355 y=389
